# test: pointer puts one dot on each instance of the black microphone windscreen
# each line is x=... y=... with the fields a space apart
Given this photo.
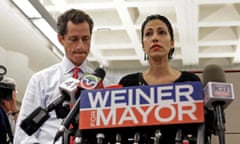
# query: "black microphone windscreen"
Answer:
x=100 y=72
x=213 y=73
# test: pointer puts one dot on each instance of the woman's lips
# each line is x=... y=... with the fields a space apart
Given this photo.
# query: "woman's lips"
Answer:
x=156 y=47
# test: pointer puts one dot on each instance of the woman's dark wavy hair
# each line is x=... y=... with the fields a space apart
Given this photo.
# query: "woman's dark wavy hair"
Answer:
x=166 y=21
x=75 y=16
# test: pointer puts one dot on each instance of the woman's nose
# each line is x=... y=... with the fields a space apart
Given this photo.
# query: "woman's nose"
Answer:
x=155 y=40
x=155 y=37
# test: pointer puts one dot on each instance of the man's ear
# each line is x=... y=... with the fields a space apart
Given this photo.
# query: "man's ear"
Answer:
x=60 y=39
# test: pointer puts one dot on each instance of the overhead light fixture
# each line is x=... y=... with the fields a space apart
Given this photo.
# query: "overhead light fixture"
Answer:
x=48 y=31
x=41 y=19
x=44 y=13
x=27 y=8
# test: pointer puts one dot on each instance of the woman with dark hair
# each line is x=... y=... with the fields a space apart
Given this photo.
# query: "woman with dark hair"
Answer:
x=158 y=45
x=157 y=39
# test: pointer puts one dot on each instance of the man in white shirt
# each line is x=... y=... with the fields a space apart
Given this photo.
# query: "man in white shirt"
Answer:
x=74 y=33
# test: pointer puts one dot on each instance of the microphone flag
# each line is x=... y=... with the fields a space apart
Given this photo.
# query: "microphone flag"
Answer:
x=218 y=91
x=177 y=103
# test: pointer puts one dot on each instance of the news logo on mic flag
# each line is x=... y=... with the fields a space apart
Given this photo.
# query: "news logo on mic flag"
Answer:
x=178 y=103
x=218 y=91
x=89 y=81
x=69 y=86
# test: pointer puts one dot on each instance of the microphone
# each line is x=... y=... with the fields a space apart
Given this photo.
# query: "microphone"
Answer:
x=68 y=89
x=92 y=81
x=36 y=119
x=118 y=138
x=100 y=138
x=136 y=138
x=78 y=137
x=87 y=82
x=213 y=73
x=218 y=95
x=178 y=138
x=157 y=137
x=216 y=90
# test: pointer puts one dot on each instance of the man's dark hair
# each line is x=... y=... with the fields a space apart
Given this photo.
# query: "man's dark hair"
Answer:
x=75 y=16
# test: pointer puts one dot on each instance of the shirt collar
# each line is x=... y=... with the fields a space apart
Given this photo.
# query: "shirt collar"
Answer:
x=68 y=66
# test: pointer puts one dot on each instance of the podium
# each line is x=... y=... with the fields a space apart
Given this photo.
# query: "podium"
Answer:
x=154 y=114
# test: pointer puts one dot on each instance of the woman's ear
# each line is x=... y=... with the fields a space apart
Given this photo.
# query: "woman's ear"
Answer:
x=143 y=47
x=172 y=44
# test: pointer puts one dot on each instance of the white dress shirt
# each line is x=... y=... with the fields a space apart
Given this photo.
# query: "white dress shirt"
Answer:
x=42 y=89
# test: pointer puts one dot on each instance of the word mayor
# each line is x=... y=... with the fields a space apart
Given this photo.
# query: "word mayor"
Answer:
x=146 y=105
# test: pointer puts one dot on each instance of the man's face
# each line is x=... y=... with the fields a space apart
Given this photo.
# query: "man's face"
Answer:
x=76 y=42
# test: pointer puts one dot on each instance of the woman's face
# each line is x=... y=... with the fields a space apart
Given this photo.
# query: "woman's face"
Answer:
x=156 y=39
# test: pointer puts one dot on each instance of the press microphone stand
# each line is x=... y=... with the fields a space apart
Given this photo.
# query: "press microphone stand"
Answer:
x=200 y=134
x=220 y=121
x=64 y=131
x=66 y=135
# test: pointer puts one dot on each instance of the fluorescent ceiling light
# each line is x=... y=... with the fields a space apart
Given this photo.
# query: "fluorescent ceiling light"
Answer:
x=41 y=19
x=48 y=31
x=27 y=8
